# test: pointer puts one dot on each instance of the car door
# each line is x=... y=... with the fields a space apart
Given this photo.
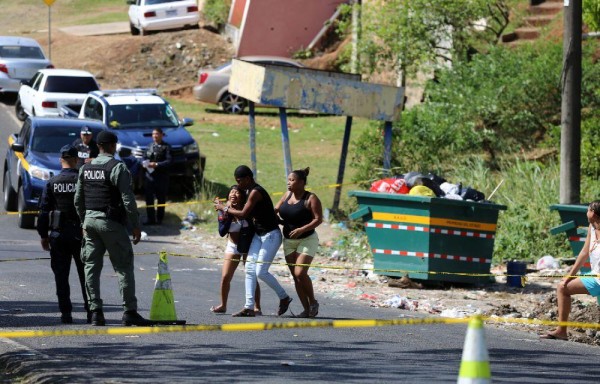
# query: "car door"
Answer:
x=134 y=13
x=28 y=92
x=92 y=109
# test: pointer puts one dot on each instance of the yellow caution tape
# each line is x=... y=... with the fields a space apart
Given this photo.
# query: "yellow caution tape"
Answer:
x=250 y=327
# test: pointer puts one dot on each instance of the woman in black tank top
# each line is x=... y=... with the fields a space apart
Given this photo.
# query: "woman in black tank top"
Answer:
x=265 y=242
x=301 y=212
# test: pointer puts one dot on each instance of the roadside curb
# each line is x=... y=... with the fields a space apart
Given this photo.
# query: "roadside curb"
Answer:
x=97 y=29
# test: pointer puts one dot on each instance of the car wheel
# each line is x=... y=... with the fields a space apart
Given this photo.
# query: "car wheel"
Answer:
x=233 y=103
x=20 y=112
x=26 y=220
x=10 y=196
x=134 y=30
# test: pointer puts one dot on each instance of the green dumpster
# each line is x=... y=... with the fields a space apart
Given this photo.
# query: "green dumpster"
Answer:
x=429 y=238
x=575 y=225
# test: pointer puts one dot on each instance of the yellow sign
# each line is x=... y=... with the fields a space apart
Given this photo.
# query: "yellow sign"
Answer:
x=49 y=2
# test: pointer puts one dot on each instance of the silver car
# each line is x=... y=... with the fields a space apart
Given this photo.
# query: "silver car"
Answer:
x=20 y=59
x=213 y=83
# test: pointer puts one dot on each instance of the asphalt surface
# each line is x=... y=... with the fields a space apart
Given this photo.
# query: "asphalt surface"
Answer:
x=399 y=354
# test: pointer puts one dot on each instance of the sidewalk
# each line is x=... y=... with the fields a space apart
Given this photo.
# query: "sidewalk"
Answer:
x=97 y=29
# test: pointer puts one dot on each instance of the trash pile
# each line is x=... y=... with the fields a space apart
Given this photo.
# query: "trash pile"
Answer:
x=430 y=185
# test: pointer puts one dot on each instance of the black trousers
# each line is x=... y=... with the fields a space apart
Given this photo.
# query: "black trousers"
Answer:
x=156 y=187
x=65 y=245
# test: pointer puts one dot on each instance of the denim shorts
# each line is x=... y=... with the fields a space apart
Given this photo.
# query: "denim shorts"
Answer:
x=591 y=284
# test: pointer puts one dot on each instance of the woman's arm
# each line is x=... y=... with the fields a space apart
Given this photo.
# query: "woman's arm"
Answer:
x=581 y=258
x=253 y=199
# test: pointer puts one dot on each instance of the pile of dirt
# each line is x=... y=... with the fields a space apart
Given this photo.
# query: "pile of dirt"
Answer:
x=167 y=60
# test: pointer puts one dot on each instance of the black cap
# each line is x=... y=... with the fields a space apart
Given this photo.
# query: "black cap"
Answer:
x=68 y=151
x=106 y=137
x=86 y=130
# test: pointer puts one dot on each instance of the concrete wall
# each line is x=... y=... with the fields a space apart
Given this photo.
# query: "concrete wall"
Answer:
x=280 y=27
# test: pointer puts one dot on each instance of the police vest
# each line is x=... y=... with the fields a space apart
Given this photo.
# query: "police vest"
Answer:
x=62 y=187
x=99 y=193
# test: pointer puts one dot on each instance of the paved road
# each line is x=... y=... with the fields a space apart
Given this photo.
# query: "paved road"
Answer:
x=97 y=29
x=406 y=354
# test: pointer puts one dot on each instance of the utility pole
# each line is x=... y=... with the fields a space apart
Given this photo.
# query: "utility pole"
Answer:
x=570 y=132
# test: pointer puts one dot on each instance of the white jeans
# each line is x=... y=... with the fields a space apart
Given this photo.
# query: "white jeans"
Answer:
x=262 y=250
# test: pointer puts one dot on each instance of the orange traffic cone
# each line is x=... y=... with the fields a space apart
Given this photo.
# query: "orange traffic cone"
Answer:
x=475 y=364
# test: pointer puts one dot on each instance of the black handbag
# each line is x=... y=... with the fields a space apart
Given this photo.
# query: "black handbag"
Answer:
x=245 y=238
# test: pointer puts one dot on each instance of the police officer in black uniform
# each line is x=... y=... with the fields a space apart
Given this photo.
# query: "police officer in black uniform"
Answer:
x=59 y=217
x=157 y=160
x=86 y=146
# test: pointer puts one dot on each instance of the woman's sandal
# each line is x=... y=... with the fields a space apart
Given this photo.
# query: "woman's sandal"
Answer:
x=313 y=309
x=257 y=312
x=549 y=336
x=246 y=312
x=218 y=309
x=303 y=315
x=284 y=304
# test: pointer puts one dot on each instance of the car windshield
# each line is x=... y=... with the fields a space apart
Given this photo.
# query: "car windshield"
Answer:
x=20 y=52
x=153 y=2
x=70 y=84
x=142 y=116
x=52 y=139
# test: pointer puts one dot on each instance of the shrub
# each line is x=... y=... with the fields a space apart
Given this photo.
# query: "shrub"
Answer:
x=216 y=11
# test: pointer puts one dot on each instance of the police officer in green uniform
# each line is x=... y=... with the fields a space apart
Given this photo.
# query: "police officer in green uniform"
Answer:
x=105 y=201
x=58 y=216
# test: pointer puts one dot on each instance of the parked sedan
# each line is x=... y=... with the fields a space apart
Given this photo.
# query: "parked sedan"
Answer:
x=33 y=157
x=51 y=89
x=213 y=84
x=160 y=15
x=20 y=59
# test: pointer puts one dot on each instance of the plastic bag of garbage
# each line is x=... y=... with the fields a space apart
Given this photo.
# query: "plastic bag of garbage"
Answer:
x=547 y=262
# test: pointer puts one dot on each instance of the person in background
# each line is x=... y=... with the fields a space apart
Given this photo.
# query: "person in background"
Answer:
x=58 y=215
x=86 y=146
x=105 y=202
x=301 y=212
x=266 y=241
x=232 y=227
x=572 y=285
x=157 y=160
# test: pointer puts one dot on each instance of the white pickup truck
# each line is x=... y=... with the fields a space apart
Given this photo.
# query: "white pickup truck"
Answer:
x=50 y=89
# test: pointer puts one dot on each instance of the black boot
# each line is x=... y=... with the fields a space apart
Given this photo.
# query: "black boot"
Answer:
x=134 y=318
x=66 y=318
x=98 y=318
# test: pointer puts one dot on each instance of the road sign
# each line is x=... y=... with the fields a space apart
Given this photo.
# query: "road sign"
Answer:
x=49 y=2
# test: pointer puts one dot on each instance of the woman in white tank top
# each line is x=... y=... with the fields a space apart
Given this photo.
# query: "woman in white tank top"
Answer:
x=231 y=226
x=587 y=284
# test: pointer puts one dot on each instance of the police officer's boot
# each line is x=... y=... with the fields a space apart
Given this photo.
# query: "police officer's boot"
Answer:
x=66 y=318
x=98 y=318
x=151 y=216
x=134 y=318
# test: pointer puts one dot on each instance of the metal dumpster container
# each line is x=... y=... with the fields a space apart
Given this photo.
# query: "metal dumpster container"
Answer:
x=429 y=238
x=575 y=225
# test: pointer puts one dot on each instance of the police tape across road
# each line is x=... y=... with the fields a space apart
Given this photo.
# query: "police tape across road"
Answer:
x=192 y=202
x=380 y=271
x=253 y=327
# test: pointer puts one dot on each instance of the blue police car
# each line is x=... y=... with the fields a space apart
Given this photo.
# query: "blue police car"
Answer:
x=33 y=158
x=132 y=114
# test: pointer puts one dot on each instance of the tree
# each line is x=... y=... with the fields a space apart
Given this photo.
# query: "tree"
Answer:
x=412 y=34
x=591 y=14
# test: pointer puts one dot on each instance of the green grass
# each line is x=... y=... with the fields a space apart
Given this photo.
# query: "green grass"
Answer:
x=315 y=142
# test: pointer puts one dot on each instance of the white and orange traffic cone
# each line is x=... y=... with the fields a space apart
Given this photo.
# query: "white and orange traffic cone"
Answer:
x=162 y=310
x=475 y=364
